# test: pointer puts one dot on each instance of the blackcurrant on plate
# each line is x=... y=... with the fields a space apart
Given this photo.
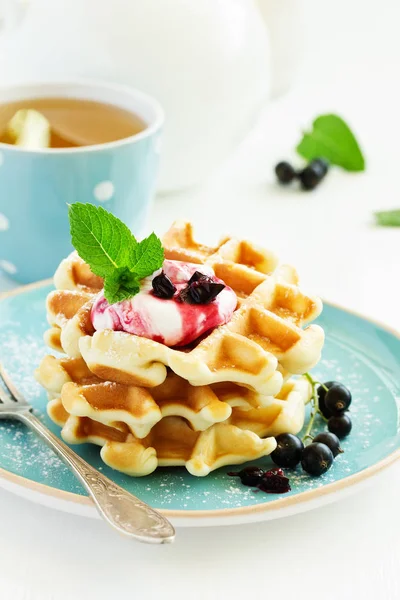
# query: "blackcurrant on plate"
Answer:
x=363 y=355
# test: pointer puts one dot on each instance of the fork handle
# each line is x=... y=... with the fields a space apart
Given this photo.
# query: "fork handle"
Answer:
x=123 y=511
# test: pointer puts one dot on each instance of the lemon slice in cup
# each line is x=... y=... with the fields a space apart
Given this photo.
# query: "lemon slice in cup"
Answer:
x=29 y=129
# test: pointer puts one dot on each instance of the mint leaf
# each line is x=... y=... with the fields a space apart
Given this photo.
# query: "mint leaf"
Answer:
x=100 y=239
x=112 y=252
x=332 y=139
x=388 y=218
x=147 y=256
x=120 y=285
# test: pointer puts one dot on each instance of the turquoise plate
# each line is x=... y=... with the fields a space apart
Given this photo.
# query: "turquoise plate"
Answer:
x=362 y=354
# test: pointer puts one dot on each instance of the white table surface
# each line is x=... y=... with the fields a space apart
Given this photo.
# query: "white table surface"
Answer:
x=345 y=550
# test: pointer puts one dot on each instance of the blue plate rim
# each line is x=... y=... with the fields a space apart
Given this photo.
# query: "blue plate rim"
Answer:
x=281 y=503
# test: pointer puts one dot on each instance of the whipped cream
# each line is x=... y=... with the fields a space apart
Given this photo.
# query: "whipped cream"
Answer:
x=170 y=322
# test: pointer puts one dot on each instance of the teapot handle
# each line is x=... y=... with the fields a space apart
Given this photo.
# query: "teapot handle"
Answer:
x=12 y=13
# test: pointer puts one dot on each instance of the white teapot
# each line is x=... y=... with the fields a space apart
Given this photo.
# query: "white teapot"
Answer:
x=207 y=62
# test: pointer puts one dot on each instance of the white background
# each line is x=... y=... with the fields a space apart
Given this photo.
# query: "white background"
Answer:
x=345 y=550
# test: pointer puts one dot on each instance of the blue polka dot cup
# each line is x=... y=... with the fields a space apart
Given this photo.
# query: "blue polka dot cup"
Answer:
x=37 y=185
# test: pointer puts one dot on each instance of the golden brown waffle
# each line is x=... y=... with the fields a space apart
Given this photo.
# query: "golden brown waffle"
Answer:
x=53 y=373
x=68 y=313
x=172 y=424
x=239 y=263
x=75 y=275
x=282 y=414
x=171 y=442
x=75 y=287
x=85 y=395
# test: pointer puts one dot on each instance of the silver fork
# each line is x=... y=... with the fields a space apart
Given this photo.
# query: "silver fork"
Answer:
x=123 y=511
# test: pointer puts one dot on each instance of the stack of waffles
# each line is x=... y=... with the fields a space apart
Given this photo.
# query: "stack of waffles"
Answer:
x=219 y=402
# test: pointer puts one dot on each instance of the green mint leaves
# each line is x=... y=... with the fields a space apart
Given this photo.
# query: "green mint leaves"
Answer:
x=100 y=239
x=332 y=139
x=112 y=251
x=145 y=255
x=121 y=285
x=388 y=218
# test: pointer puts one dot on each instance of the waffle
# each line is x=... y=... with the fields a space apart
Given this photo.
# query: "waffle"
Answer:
x=263 y=340
x=282 y=414
x=239 y=263
x=68 y=313
x=171 y=442
x=85 y=395
x=171 y=425
x=74 y=274
x=76 y=286
x=53 y=373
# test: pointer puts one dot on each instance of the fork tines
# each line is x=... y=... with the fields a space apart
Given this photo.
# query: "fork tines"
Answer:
x=11 y=392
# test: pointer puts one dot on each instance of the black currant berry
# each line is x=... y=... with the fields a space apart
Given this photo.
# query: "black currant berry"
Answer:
x=331 y=440
x=321 y=398
x=313 y=174
x=322 y=164
x=201 y=291
x=337 y=399
x=340 y=425
x=204 y=292
x=317 y=459
x=288 y=450
x=274 y=482
x=163 y=286
x=251 y=476
x=197 y=276
x=285 y=172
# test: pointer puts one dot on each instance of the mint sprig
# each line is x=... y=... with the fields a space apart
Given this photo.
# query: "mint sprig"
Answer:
x=388 y=218
x=331 y=138
x=111 y=250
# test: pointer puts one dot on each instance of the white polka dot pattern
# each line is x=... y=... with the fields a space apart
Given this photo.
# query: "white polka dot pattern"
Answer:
x=104 y=191
x=8 y=267
x=4 y=222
